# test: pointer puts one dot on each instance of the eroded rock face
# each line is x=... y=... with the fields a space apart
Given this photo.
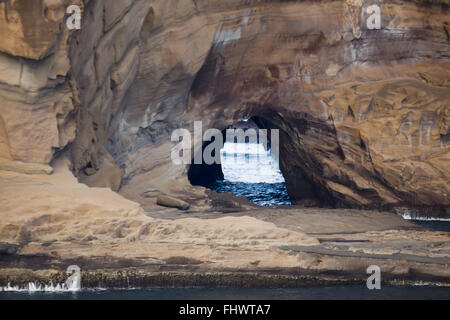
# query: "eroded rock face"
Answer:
x=37 y=113
x=363 y=113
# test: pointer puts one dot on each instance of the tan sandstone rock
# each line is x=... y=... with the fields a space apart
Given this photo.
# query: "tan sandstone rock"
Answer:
x=363 y=113
x=363 y=118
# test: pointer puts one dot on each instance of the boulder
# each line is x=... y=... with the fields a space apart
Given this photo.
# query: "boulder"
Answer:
x=171 y=202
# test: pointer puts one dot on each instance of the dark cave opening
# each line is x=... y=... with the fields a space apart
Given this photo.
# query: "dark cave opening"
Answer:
x=247 y=167
x=302 y=182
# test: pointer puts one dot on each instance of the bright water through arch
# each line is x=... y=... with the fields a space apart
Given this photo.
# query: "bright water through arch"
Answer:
x=250 y=171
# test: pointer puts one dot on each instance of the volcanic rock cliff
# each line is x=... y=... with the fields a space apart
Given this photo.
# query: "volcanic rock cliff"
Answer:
x=363 y=114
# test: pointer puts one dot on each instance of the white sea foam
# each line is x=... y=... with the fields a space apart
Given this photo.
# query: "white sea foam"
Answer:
x=243 y=148
x=250 y=163
x=36 y=287
x=408 y=216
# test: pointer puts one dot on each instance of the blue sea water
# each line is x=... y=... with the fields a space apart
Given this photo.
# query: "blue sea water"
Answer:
x=350 y=292
x=436 y=225
x=251 y=172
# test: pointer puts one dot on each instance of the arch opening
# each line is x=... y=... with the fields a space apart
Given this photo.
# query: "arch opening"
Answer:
x=295 y=179
x=248 y=167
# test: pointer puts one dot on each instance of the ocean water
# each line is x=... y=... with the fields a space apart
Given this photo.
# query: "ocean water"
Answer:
x=262 y=194
x=437 y=224
x=250 y=171
x=434 y=224
x=351 y=292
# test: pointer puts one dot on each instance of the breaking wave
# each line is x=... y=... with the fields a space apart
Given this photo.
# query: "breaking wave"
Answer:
x=408 y=216
x=250 y=171
x=37 y=287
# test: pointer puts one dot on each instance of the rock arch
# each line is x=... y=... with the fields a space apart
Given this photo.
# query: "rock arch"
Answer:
x=364 y=112
x=339 y=105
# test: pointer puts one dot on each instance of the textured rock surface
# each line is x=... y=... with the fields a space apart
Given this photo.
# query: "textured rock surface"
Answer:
x=360 y=123
x=51 y=221
x=171 y=202
x=37 y=113
x=363 y=113
x=67 y=220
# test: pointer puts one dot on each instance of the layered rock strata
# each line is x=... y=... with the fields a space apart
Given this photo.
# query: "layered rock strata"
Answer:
x=363 y=113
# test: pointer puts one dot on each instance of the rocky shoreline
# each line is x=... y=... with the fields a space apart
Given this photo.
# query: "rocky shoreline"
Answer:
x=141 y=278
x=87 y=118
x=118 y=246
x=112 y=239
